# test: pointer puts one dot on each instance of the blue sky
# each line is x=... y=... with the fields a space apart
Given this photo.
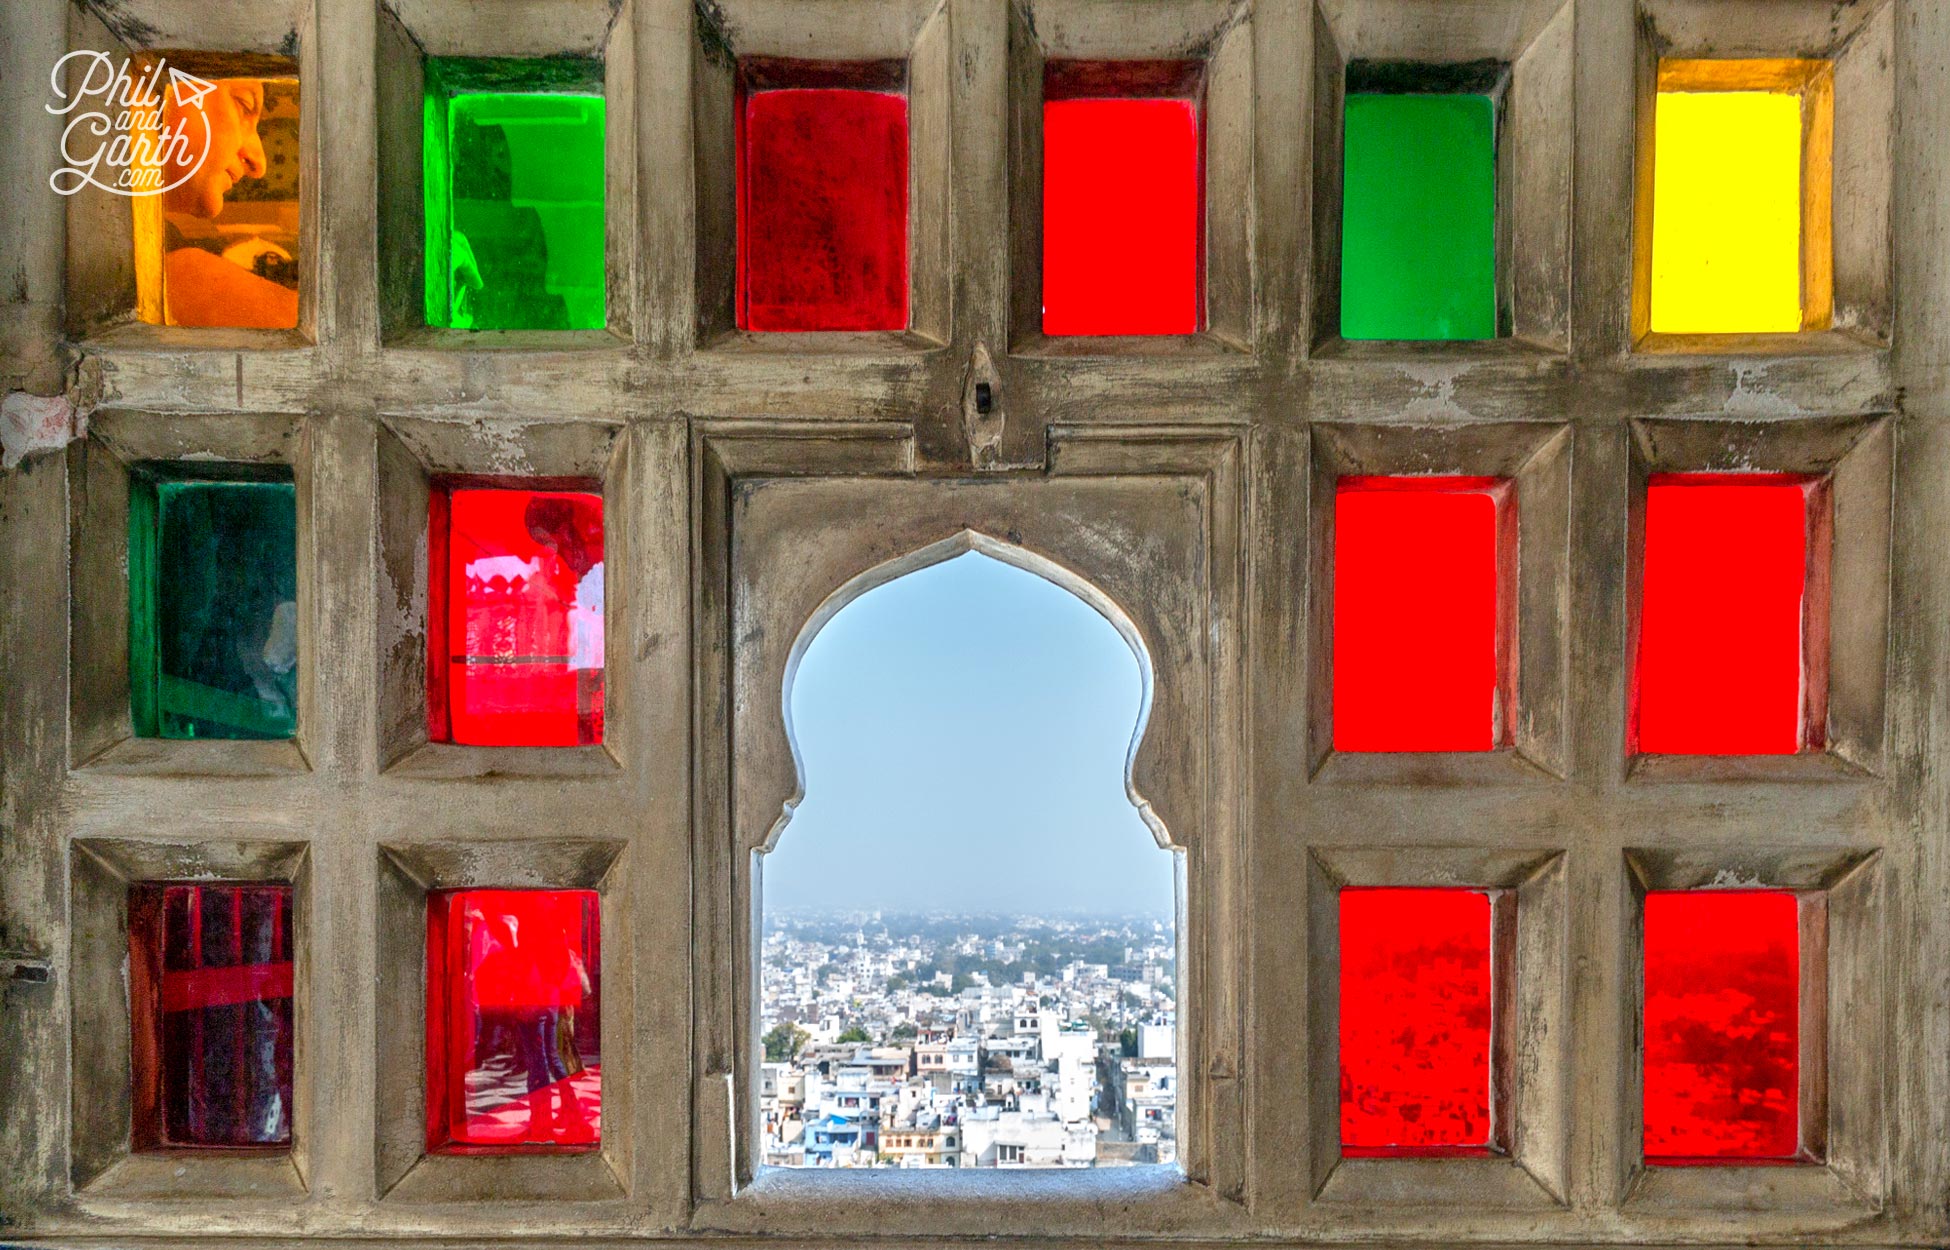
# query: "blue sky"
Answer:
x=963 y=731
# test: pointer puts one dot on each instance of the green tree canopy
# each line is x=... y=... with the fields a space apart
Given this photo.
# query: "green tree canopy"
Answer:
x=784 y=1041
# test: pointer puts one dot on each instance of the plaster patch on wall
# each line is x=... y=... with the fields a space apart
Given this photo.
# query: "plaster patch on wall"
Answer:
x=507 y=451
x=36 y=423
x=404 y=620
x=1435 y=390
x=1730 y=879
x=1751 y=399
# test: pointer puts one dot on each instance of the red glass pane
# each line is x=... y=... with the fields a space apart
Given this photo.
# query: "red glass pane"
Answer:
x=211 y=1034
x=1417 y=613
x=522 y=598
x=1121 y=189
x=513 y=1020
x=1415 y=1021
x=1720 y=668
x=1722 y=1025
x=822 y=210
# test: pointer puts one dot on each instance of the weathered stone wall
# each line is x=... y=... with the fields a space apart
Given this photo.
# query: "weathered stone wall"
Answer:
x=1181 y=482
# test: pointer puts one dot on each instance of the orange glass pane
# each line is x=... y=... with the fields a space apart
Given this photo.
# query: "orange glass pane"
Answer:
x=1417 y=650
x=218 y=246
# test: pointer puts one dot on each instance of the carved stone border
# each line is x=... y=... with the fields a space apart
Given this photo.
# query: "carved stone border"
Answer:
x=1843 y=963
x=100 y=727
x=1530 y=1081
x=405 y=1171
x=874 y=517
x=102 y=1162
x=411 y=452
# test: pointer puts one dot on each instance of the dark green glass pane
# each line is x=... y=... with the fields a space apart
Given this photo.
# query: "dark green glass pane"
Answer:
x=213 y=608
x=1418 y=217
x=514 y=210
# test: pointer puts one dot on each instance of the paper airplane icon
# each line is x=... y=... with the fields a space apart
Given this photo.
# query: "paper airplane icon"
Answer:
x=190 y=89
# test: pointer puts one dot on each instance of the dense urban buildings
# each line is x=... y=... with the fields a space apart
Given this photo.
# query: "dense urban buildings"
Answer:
x=968 y=1041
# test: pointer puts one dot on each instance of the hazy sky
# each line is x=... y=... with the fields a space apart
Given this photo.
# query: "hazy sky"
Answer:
x=963 y=731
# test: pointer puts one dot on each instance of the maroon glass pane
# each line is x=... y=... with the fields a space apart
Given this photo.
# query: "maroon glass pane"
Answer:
x=1722 y=1026
x=211 y=1027
x=513 y=1021
x=822 y=210
x=1415 y=1021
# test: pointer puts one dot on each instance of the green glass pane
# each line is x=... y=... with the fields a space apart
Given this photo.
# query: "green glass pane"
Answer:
x=1418 y=217
x=514 y=211
x=213 y=608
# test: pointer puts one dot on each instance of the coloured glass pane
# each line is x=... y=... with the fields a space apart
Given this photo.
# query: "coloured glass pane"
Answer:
x=1722 y=617
x=513 y=1020
x=1722 y=1025
x=1416 y=614
x=515 y=231
x=1120 y=216
x=1415 y=1020
x=822 y=210
x=218 y=246
x=211 y=1037
x=1726 y=212
x=213 y=607
x=1418 y=217
x=523 y=606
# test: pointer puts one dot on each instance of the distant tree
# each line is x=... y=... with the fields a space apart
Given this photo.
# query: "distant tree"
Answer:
x=784 y=1041
x=904 y=1031
x=854 y=1034
x=1127 y=1043
x=962 y=981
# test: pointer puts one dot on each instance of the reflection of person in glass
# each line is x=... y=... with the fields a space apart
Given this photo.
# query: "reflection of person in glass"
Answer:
x=204 y=288
x=571 y=532
x=532 y=971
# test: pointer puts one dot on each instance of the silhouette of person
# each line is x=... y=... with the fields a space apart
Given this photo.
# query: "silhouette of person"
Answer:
x=533 y=971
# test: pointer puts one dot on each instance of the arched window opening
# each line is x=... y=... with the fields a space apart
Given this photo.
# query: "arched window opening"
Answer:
x=968 y=954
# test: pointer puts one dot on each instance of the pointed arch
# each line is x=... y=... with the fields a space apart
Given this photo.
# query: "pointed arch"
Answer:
x=963 y=543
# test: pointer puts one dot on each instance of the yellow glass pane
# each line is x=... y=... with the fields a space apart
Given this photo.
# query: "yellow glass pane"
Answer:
x=1726 y=212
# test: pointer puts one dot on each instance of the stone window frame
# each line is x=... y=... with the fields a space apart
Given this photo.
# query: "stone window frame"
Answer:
x=341 y=379
x=1179 y=764
x=582 y=30
x=1530 y=1101
x=101 y=282
x=1861 y=42
x=1843 y=1090
x=1535 y=458
x=911 y=39
x=413 y=454
x=1215 y=34
x=103 y=1162
x=408 y=872
x=1853 y=458
x=100 y=726
x=1535 y=40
